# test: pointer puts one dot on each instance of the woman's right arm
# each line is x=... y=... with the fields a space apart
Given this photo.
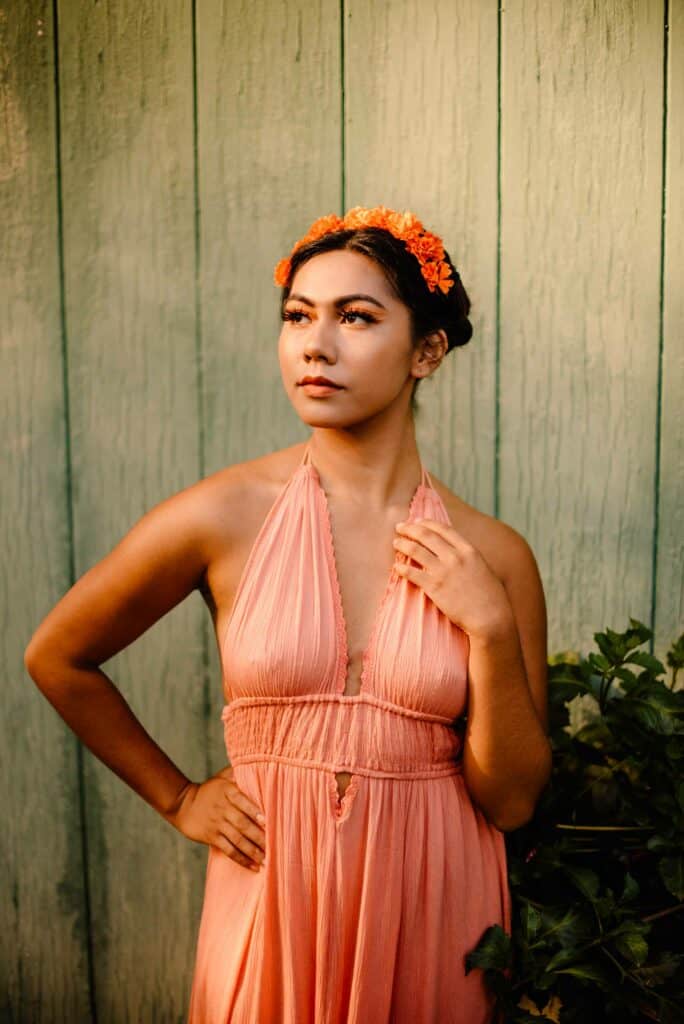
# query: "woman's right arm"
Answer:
x=157 y=564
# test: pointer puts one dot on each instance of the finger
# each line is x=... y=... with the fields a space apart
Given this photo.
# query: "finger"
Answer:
x=435 y=532
x=420 y=577
x=242 y=842
x=417 y=551
x=243 y=823
x=428 y=539
x=226 y=847
x=238 y=798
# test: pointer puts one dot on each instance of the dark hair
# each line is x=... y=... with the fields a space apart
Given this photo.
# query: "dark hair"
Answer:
x=429 y=310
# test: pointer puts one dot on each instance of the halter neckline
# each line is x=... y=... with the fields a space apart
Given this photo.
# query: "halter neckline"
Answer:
x=425 y=480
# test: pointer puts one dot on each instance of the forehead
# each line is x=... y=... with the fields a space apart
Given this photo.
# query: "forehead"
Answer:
x=330 y=274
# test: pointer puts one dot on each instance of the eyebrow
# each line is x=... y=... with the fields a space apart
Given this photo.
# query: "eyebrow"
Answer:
x=342 y=301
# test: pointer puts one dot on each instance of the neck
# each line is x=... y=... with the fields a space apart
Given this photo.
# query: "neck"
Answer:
x=378 y=470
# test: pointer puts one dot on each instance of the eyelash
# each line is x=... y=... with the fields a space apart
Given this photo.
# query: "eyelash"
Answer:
x=290 y=314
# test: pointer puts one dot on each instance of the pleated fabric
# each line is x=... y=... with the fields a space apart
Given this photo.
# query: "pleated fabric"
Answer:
x=366 y=906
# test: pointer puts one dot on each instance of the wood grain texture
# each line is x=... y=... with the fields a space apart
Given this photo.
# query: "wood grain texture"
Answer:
x=126 y=87
x=42 y=900
x=581 y=200
x=421 y=134
x=269 y=162
x=669 y=610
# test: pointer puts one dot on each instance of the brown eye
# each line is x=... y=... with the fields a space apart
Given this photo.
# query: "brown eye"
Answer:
x=357 y=312
x=292 y=314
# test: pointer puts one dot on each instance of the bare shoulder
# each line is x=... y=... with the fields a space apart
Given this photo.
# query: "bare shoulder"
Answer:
x=237 y=500
x=505 y=550
x=232 y=497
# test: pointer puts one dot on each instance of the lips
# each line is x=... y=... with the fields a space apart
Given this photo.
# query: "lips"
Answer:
x=319 y=380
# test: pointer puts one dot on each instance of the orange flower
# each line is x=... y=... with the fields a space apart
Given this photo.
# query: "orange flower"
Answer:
x=425 y=246
x=437 y=275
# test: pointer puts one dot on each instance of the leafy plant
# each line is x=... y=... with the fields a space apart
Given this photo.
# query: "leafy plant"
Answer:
x=597 y=876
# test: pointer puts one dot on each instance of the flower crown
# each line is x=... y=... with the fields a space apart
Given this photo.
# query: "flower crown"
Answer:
x=426 y=247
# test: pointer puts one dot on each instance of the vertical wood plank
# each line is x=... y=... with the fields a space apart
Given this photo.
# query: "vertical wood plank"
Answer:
x=421 y=134
x=581 y=199
x=669 y=610
x=269 y=163
x=42 y=898
x=127 y=170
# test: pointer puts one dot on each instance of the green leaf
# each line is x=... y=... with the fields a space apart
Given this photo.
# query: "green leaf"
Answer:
x=561 y=959
x=656 y=973
x=672 y=873
x=493 y=951
x=660 y=844
x=631 y=889
x=649 y=713
x=530 y=919
x=586 y=880
x=563 y=925
x=586 y=972
x=564 y=689
x=647 y=660
x=599 y=662
x=632 y=945
x=627 y=679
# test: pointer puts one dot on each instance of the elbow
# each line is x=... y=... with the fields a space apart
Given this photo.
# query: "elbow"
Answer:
x=41 y=663
x=32 y=658
x=513 y=818
x=520 y=810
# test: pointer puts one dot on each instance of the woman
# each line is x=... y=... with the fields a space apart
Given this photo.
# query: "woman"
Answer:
x=383 y=648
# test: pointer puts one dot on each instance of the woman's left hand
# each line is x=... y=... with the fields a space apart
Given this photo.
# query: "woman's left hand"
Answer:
x=453 y=574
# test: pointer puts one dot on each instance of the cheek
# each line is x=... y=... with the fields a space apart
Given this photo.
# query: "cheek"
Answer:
x=379 y=376
x=388 y=364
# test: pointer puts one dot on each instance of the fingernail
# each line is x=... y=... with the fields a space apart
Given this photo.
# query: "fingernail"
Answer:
x=260 y=818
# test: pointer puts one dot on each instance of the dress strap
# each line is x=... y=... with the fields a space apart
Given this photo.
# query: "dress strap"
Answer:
x=425 y=479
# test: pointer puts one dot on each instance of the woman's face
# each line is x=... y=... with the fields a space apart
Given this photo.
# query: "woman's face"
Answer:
x=362 y=344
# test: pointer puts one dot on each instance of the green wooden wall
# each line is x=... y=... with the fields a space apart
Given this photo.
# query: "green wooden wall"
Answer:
x=156 y=160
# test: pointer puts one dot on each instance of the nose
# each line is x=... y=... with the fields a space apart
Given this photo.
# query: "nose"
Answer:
x=320 y=340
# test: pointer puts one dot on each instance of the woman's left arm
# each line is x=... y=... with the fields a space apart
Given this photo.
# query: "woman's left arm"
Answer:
x=507 y=754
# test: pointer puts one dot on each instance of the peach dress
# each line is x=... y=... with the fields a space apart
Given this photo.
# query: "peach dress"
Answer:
x=365 y=906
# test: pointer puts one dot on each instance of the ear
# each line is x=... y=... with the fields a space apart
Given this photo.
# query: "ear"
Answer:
x=429 y=354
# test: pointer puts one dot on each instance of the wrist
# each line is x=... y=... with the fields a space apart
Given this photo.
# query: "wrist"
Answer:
x=171 y=812
x=499 y=629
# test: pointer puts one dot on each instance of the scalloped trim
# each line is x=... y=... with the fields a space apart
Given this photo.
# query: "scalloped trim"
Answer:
x=369 y=653
x=341 y=630
x=343 y=657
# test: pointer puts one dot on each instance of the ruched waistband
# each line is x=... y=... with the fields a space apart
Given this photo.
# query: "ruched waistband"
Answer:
x=363 y=734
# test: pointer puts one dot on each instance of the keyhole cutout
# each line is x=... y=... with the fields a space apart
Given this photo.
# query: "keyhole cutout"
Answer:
x=342 y=779
x=344 y=794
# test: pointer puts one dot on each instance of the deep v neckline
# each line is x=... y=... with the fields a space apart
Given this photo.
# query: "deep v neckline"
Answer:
x=344 y=655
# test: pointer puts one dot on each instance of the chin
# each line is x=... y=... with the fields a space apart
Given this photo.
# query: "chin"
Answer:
x=320 y=414
x=312 y=419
